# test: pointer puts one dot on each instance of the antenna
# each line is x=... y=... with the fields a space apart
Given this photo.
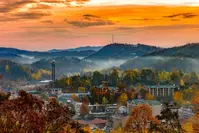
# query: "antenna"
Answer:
x=113 y=38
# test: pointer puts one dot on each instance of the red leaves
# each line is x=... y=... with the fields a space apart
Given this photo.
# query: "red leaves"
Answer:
x=29 y=114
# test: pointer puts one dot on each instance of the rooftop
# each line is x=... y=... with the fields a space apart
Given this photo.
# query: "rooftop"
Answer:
x=142 y=101
x=162 y=86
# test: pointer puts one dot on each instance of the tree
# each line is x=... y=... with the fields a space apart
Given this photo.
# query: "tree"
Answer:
x=178 y=97
x=163 y=76
x=84 y=109
x=114 y=77
x=4 y=97
x=176 y=76
x=148 y=96
x=191 y=78
x=195 y=103
x=104 y=100
x=169 y=122
x=132 y=94
x=121 y=87
x=143 y=92
x=7 y=68
x=29 y=114
x=140 y=117
x=75 y=97
x=182 y=84
x=123 y=99
x=68 y=82
x=97 y=78
x=130 y=77
x=147 y=75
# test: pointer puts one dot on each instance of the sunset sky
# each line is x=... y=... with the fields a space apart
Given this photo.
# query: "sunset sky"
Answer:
x=47 y=24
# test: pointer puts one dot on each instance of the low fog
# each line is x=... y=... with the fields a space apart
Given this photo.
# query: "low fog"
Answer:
x=163 y=63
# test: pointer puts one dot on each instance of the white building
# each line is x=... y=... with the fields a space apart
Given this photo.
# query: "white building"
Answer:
x=162 y=90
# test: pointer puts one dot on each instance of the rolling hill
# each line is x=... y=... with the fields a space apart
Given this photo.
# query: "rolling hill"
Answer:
x=64 y=65
x=13 y=71
x=189 y=50
x=122 y=51
x=162 y=63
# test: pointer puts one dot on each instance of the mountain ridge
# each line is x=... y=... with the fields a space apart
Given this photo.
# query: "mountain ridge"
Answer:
x=121 y=51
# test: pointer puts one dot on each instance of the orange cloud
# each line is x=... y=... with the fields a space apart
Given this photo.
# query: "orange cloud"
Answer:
x=87 y=25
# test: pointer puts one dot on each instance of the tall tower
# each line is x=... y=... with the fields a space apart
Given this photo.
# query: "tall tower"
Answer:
x=53 y=71
x=113 y=41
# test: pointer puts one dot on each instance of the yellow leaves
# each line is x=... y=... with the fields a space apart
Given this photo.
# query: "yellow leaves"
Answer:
x=163 y=76
x=75 y=97
x=139 y=87
x=178 y=97
x=39 y=73
x=182 y=82
x=81 y=89
x=188 y=127
x=133 y=95
x=36 y=76
x=118 y=130
x=7 y=68
x=46 y=72
x=68 y=129
x=17 y=124
x=149 y=97
x=195 y=102
x=123 y=99
x=68 y=81
x=98 y=131
x=87 y=129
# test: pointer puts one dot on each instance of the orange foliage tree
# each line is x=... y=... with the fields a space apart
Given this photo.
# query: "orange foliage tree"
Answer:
x=178 y=97
x=195 y=103
x=148 y=96
x=140 y=118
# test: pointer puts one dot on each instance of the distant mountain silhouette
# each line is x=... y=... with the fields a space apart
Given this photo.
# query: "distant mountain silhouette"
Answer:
x=86 y=48
x=122 y=51
x=189 y=50
x=21 y=56
x=94 y=48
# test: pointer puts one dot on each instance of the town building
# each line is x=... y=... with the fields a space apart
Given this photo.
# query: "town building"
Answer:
x=56 y=91
x=162 y=92
x=97 y=111
x=67 y=97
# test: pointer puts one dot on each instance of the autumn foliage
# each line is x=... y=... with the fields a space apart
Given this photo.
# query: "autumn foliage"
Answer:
x=195 y=102
x=178 y=97
x=28 y=114
x=140 y=118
